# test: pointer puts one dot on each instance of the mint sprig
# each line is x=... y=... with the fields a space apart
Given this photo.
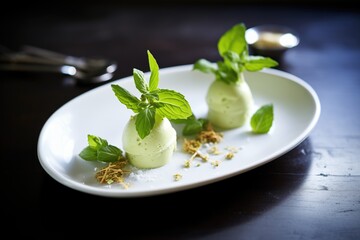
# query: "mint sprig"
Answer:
x=98 y=149
x=233 y=49
x=262 y=119
x=153 y=101
x=192 y=125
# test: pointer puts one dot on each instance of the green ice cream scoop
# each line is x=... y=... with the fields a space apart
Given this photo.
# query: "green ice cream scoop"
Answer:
x=155 y=150
x=230 y=105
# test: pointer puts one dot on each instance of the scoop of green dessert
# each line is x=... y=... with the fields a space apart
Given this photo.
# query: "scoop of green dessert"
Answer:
x=155 y=150
x=230 y=105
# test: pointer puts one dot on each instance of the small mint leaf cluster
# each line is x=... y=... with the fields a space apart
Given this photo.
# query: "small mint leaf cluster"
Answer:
x=153 y=101
x=98 y=149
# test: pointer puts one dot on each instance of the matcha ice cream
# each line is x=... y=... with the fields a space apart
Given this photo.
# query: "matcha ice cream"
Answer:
x=155 y=150
x=230 y=105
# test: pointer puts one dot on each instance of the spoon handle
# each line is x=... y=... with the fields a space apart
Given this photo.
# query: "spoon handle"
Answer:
x=22 y=58
x=64 y=69
x=59 y=58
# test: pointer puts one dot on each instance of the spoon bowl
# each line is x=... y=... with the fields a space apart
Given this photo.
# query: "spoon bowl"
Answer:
x=87 y=77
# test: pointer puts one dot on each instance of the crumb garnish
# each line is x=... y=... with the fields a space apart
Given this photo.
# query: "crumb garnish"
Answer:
x=229 y=155
x=113 y=173
x=192 y=146
x=214 y=150
x=215 y=163
x=207 y=139
x=209 y=135
x=177 y=177
x=231 y=152
x=204 y=157
x=233 y=149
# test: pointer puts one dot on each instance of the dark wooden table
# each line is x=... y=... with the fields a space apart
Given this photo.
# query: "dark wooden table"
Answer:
x=311 y=192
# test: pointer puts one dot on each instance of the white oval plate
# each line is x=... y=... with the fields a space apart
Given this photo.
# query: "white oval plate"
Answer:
x=98 y=112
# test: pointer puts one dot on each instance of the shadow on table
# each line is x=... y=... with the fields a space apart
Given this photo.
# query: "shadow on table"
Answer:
x=192 y=213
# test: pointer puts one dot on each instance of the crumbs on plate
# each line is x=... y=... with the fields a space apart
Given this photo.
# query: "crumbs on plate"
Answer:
x=203 y=146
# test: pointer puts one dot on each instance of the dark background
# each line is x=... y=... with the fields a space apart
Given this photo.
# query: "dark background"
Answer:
x=312 y=192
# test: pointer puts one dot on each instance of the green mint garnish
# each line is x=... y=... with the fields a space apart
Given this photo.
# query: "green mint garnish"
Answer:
x=192 y=125
x=100 y=150
x=262 y=119
x=233 y=49
x=126 y=98
x=145 y=121
x=154 y=68
x=173 y=105
x=153 y=101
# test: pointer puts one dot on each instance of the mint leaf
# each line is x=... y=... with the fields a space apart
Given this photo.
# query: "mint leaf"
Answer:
x=139 y=80
x=183 y=120
x=89 y=154
x=233 y=40
x=262 y=119
x=232 y=57
x=154 y=68
x=145 y=121
x=226 y=73
x=204 y=65
x=194 y=126
x=256 y=63
x=100 y=150
x=96 y=142
x=126 y=98
x=109 y=153
x=151 y=96
x=174 y=106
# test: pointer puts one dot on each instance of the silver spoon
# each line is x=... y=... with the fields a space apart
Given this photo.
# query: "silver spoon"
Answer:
x=86 y=70
x=84 y=64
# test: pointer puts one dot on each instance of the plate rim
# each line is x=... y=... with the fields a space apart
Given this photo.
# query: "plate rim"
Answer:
x=109 y=192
